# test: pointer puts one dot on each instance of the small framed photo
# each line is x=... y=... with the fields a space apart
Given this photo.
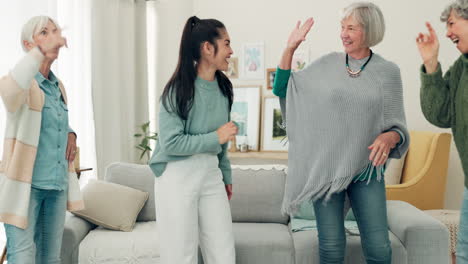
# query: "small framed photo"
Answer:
x=270 y=76
x=245 y=112
x=273 y=134
x=233 y=68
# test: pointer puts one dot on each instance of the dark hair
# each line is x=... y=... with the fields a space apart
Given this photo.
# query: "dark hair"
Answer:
x=182 y=83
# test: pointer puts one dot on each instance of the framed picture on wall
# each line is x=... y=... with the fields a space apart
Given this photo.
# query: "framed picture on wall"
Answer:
x=270 y=76
x=233 y=68
x=253 y=61
x=273 y=135
x=245 y=112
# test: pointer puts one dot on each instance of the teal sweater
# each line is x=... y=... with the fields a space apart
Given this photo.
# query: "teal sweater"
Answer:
x=179 y=139
x=444 y=102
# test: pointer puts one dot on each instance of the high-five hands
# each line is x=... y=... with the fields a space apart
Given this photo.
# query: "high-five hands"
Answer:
x=299 y=33
x=428 y=45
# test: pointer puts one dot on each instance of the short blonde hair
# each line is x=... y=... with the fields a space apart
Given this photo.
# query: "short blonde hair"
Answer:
x=34 y=27
x=371 y=19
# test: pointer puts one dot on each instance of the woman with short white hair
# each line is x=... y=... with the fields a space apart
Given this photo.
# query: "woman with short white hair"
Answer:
x=344 y=119
x=444 y=99
x=37 y=182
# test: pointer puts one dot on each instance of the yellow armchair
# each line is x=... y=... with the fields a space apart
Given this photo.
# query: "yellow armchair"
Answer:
x=424 y=173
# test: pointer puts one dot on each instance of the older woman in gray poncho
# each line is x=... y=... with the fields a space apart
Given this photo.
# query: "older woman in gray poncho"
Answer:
x=344 y=119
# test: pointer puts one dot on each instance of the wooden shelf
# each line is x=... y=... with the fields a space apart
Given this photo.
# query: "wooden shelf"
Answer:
x=259 y=155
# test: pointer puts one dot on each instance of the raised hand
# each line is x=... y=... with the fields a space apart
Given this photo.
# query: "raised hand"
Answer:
x=299 y=33
x=428 y=45
x=297 y=36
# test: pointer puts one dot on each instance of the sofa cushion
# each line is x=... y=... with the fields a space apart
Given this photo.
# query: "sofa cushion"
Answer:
x=263 y=243
x=107 y=246
x=307 y=249
x=138 y=177
x=111 y=205
x=257 y=196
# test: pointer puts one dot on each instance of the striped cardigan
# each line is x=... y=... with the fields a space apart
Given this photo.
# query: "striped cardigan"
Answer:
x=24 y=100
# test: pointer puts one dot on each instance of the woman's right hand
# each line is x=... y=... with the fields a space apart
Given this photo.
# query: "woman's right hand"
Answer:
x=297 y=36
x=226 y=132
x=428 y=45
x=299 y=33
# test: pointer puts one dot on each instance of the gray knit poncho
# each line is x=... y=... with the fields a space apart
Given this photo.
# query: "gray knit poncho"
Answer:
x=332 y=118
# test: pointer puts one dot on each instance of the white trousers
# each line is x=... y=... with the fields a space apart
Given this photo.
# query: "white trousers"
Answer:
x=192 y=209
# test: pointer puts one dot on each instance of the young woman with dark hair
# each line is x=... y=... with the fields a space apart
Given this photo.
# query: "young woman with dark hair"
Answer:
x=193 y=173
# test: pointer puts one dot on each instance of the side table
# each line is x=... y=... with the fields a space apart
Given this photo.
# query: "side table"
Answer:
x=80 y=170
x=451 y=219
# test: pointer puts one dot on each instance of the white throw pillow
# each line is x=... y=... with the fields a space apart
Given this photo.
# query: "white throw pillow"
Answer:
x=111 y=205
x=394 y=170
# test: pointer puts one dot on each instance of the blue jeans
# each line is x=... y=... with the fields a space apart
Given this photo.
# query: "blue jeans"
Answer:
x=41 y=241
x=370 y=209
x=462 y=243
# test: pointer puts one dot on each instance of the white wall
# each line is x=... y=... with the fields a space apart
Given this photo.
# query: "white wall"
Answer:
x=270 y=21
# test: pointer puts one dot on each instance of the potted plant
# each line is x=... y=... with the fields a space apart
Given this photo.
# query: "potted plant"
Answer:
x=145 y=144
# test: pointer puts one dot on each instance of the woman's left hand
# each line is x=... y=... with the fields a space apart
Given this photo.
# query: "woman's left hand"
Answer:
x=229 y=191
x=71 y=147
x=382 y=146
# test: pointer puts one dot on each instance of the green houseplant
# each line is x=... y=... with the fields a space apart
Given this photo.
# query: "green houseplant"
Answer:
x=145 y=135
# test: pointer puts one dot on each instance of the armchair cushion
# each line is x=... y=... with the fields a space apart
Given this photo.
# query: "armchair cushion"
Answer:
x=394 y=170
x=424 y=174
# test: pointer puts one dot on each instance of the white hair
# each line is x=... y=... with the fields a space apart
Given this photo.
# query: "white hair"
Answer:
x=33 y=27
x=371 y=19
x=459 y=6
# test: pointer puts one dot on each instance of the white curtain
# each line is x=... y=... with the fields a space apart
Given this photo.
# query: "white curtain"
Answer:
x=119 y=78
x=74 y=69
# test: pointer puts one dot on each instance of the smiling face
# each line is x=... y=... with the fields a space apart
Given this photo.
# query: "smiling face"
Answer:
x=224 y=52
x=352 y=36
x=457 y=31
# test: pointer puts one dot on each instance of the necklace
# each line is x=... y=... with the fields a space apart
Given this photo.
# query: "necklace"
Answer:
x=355 y=74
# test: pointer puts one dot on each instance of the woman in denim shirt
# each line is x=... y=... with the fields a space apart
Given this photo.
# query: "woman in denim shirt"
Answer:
x=42 y=146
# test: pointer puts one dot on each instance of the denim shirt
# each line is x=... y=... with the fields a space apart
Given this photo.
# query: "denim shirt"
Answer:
x=51 y=167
